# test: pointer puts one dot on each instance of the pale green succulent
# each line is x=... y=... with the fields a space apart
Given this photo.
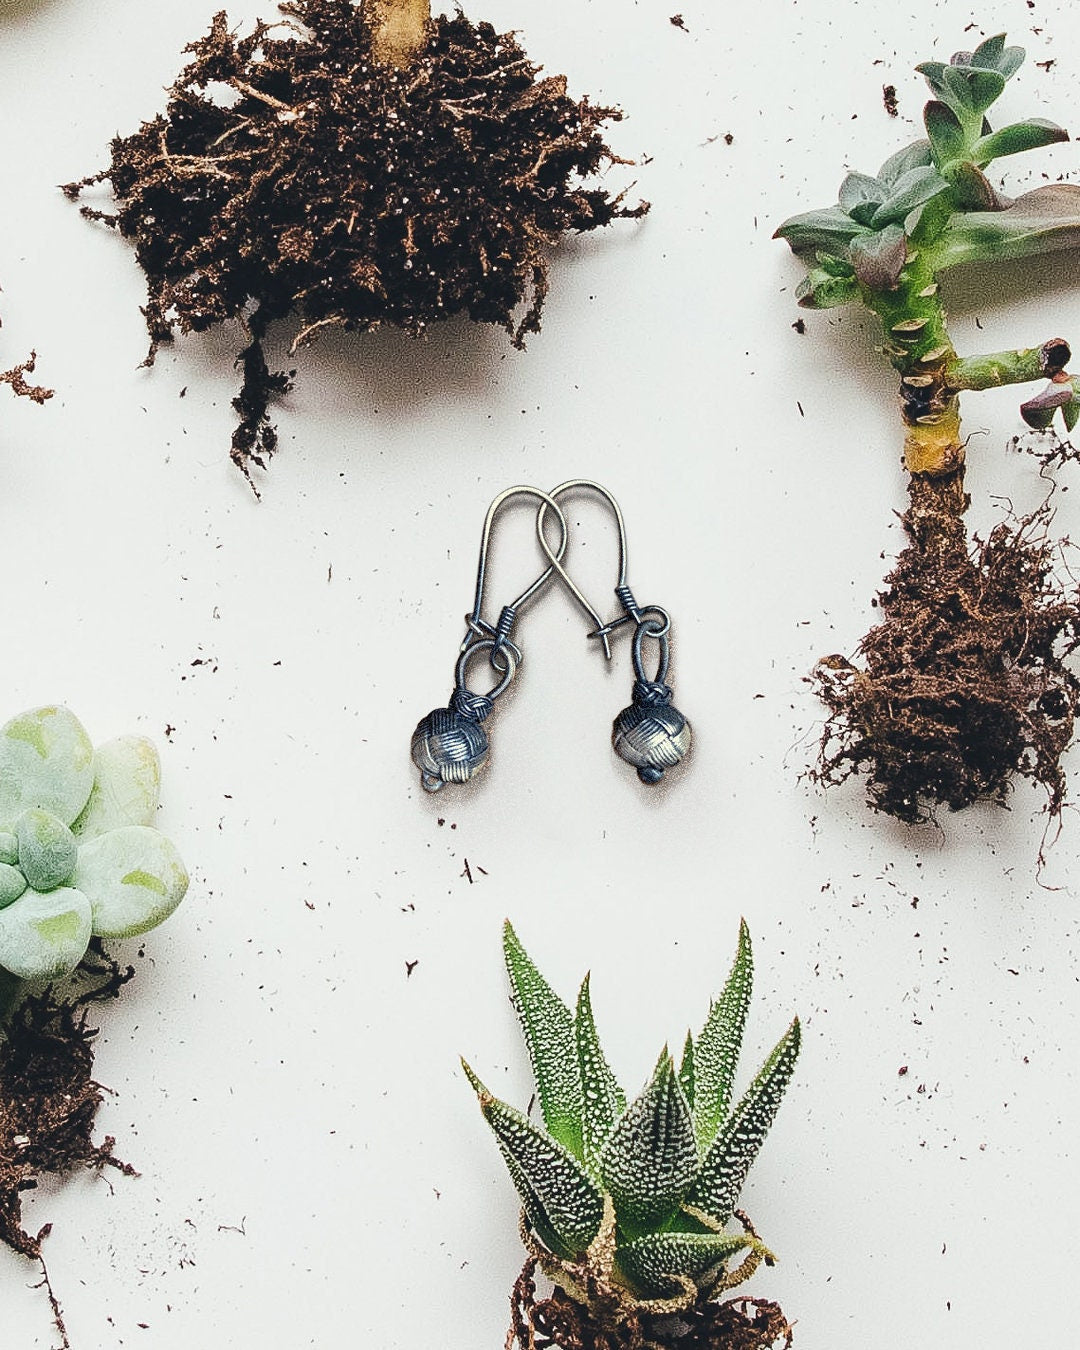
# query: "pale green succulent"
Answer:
x=79 y=857
x=636 y=1198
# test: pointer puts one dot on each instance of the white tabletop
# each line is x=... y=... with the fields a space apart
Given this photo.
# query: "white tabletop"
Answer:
x=314 y=1168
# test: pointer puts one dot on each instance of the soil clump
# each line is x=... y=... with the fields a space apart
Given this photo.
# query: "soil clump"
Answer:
x=294 y=175
x=964 y=682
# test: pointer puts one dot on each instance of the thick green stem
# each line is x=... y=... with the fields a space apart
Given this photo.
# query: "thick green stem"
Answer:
x=1015 y=367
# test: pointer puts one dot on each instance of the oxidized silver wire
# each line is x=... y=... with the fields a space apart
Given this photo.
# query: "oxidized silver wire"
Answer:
x=651 y=734
x=449 y=745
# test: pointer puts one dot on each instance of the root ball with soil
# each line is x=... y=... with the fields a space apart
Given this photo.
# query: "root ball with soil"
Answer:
x=352 y=166
x=963 y=686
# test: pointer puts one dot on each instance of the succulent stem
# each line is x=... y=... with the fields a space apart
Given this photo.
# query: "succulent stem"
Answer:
x=1015 y=367
x=399 y=29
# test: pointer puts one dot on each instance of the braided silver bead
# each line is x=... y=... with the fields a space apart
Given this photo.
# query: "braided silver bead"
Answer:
x=449 y=745
x=652 y=734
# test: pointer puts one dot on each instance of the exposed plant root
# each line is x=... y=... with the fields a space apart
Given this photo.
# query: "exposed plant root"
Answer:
x=16 y=378
x=293 y=175
x=48 y=1100
x=963 y=684
x=558 y=1322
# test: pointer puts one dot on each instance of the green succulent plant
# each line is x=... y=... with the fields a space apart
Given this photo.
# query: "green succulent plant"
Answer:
x=929 y=208
x=961 y=687
x=79 y=857
x=627 y=1204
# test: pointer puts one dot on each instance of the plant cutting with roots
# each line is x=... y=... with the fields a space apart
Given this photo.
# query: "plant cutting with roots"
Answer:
x=626 y=1207
x=80 y=862
x=963 y=684
x=353 y=166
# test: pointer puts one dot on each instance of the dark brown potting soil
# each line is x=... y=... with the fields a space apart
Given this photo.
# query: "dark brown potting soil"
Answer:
x=559 y=1323
x=16 y=378
x=292 y=176
x=963 y=685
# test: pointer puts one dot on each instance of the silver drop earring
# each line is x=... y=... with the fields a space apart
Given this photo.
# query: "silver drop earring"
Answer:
x=449 y=745
x=651 y=734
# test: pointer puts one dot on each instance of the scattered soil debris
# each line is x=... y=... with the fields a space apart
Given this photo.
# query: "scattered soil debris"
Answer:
x=889 y=99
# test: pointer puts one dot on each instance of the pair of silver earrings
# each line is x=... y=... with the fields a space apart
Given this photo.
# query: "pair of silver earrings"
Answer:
x=450 y=745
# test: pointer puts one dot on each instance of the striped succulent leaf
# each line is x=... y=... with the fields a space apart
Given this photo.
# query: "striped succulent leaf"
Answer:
x=548 y=1028
x=652 y=1263
x=716 y=1051
x=602 y=1099
x=724 y=1168
x=650 y=1161
x=665 y=1169
x=563 y=1203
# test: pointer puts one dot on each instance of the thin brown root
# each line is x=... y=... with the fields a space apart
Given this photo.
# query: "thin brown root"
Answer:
x=558 y=1322
x=54 y=1302
x=963 y=686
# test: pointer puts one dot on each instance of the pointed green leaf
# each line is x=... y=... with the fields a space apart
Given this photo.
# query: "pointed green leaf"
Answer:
x=650 y=1263
x=820 y=290
x=946 y=134
x=46 y=760
x=686 y=1072
x=724 y=1169
x=985 y=88
x=830 y=229
x=650 y=1159
x=860 y=196
x=127 y=787
x=910 y=157
x=992 y=54
x=910 y=190
x=603 y=1100
x=1014 y=140
x=972 y=190
x=548 y=1028
x=934 y=73
x=956 y=91
x=716 y=1052
x=1038 y=412
x=562 y=1202
x=1046 y=220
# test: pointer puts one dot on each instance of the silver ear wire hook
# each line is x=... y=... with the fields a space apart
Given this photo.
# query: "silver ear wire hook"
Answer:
x=651 y=734
x=449 y=745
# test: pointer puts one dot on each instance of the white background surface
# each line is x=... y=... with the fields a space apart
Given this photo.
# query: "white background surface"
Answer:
x=314 y=1169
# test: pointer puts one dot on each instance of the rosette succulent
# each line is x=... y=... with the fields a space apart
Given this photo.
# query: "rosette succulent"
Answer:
x=627 y=1204
x=79 y=857
x=962 y=685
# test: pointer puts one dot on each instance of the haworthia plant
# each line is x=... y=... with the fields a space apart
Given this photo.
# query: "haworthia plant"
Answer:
x=79 y=857
x=668 y=1165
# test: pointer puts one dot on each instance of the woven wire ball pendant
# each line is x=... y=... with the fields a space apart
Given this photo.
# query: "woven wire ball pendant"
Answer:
x=651 y=734
x=449 y=745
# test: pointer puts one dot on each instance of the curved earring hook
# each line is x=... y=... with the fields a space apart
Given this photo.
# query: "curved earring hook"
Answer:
x=498 y=634
x=633 y=613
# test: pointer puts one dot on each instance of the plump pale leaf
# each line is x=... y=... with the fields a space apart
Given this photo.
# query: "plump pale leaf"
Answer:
x=724 y=1168
x=1014 y=140
x=945 y=132
x=603 y=1100
x=650 y=1159
x=910 y=157
x=1046 y=220
x=12 y=884
x=133 y=877
x=548 y=1028
x=563 y=1203
x=127 y=787
x=46 y=760
x=47 y=849
x=650 y=1262
x=878 y=259
x=45 y=936
x=829 y=229
x=716 y=1051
